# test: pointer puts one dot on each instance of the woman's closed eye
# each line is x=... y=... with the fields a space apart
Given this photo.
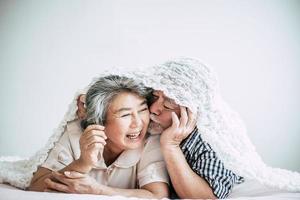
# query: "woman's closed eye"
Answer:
x=126 y=115
x=144 y=109
x=129 y=114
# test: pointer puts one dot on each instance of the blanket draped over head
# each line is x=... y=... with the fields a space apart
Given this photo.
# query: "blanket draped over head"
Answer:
x=191 y=84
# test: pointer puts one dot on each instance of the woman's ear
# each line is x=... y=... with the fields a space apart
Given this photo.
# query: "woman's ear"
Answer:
x=81 y=108
x=82 y=98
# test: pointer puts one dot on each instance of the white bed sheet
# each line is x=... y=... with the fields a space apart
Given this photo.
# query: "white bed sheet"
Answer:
x=8 y=192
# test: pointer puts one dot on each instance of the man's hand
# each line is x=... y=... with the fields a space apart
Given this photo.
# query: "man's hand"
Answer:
x=81 y=110
x=180 y=128
x=73 y=182
x=92 y=142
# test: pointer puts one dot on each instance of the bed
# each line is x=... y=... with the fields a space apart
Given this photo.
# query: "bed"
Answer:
x=8 y=192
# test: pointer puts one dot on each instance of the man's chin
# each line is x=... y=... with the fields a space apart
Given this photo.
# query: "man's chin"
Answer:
x=155 y=130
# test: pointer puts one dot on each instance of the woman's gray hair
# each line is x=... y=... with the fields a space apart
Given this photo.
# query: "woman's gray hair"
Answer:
x=102 y=93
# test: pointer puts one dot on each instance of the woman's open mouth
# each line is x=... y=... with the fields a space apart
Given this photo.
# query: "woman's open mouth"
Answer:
x=133 y=136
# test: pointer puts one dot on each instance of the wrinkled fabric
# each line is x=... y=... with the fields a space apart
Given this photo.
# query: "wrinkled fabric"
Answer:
x=190 y=83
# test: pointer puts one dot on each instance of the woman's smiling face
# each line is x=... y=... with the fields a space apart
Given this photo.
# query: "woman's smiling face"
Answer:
x=127 y=120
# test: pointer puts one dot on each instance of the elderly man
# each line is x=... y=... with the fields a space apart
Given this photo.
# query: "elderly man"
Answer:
x=193 y=166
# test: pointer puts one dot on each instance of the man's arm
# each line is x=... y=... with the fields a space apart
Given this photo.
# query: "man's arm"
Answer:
x=156 y=190
x=74 y=182
x=38 y=180
x=186 y=182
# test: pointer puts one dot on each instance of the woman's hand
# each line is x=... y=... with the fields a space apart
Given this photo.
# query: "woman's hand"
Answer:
x=73 y=182
x=180 y=128
x=92 y=142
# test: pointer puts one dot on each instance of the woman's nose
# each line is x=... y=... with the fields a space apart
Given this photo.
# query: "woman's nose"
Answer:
x=136 y=121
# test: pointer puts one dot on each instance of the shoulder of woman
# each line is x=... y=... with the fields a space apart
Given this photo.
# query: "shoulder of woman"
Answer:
x=73 y=128
x=152 y=142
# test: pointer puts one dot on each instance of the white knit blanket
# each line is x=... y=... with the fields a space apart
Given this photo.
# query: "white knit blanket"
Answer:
x=191 y=84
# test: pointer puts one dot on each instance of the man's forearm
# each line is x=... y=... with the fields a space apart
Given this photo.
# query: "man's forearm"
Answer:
x=38 y=184
x=186 y=182
x=78 y=166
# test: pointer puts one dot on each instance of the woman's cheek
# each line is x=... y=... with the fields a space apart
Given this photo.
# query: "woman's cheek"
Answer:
x=146 y=118
x=123 y=123
x=118 y=126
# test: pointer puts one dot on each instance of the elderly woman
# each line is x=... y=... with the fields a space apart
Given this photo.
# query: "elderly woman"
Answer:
x=110 y=152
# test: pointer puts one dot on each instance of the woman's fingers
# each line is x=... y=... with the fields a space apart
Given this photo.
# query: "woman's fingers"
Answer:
x=95 y=139
x=94 y=127
x=95 y=145
x=95 y=133
x=92 y=136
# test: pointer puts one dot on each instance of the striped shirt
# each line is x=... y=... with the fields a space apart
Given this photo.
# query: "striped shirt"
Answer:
x=204 y=161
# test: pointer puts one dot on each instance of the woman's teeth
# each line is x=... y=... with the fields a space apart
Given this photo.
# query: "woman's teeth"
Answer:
x=133 y=136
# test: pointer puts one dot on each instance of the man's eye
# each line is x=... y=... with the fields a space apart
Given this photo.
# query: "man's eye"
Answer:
x=125 y=115
x=168 y=108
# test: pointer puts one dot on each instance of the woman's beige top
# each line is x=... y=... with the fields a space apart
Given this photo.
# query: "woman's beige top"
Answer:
x=132 y=169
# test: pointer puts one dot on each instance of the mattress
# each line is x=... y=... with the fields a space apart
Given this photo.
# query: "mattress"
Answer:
x=8 y=192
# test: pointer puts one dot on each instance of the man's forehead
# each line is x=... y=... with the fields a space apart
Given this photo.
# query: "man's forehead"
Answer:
x=159 y=92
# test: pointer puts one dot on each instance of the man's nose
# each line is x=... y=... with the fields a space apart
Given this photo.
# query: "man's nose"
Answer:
x=156 y=108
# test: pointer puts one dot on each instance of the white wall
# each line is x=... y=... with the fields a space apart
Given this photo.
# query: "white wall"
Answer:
x=49 y=49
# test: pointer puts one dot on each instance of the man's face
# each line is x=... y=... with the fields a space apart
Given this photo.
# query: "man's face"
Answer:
x=161 y=112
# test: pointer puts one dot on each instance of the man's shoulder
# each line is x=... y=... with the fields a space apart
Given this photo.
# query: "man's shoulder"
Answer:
x=194 y=141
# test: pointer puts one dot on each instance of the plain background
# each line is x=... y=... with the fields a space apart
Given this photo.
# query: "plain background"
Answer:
x=50 y=49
